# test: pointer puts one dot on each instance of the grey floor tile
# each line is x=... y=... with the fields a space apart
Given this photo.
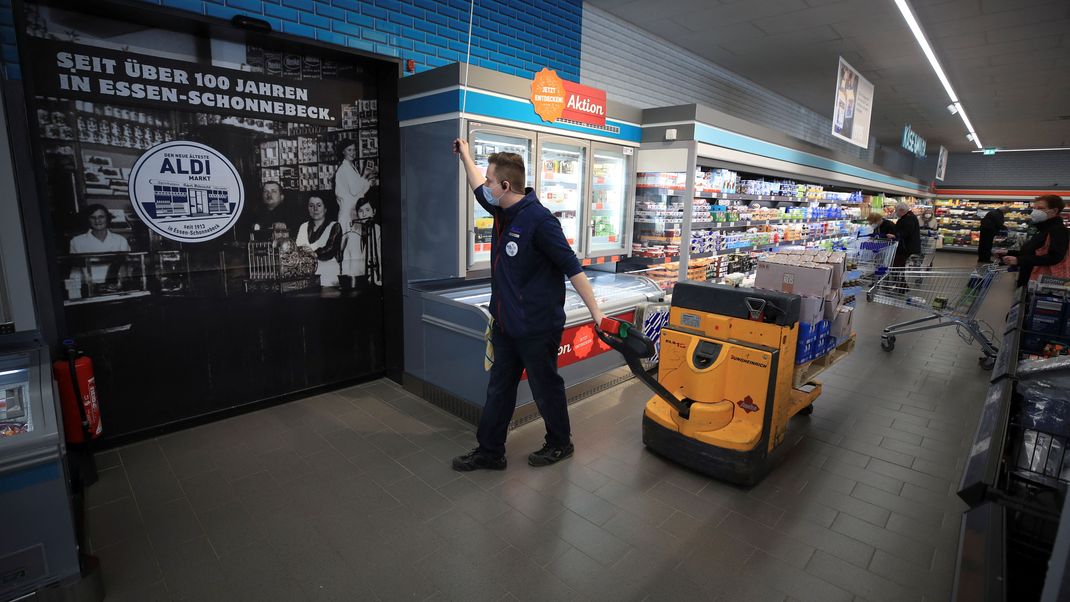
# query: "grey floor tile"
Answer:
x=170 y=524
x=908 y=475
x=772 y=542
x=898 y=545
x=111 y=487
x=114 y=522
x=788 y=580
x=825 y=539
x=540 y=544
x=897 y=503
x=129 y=565
x=594 y=541
x=859 y=581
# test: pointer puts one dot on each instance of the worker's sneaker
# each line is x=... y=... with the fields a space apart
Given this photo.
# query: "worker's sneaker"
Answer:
x=550 y=454
x=478 y=460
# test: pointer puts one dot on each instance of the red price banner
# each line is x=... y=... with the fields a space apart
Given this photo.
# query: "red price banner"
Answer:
x=581 y=342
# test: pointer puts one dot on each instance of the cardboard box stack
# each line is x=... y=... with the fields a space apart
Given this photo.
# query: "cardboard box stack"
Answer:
x=817 y=276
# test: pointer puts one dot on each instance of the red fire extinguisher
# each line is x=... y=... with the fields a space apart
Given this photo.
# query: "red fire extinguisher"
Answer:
x=78 y=395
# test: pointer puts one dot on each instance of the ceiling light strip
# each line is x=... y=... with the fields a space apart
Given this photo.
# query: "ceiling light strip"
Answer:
x=1026 y=150
x=927 y=49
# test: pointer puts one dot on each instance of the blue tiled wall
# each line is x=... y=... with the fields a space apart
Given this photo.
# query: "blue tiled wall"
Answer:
x=518 y=37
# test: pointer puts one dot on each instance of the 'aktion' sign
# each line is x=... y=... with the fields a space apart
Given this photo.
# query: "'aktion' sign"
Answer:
x=555 y=98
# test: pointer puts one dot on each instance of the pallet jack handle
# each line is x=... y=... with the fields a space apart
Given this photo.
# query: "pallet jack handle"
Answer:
x=635 y=346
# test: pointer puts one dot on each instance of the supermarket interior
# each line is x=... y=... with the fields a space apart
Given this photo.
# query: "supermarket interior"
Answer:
x=754 y=307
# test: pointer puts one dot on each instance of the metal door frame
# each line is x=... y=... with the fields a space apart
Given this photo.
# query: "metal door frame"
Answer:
x=628 y=200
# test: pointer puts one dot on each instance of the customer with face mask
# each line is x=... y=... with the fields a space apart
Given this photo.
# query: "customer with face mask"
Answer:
x=1046 y=252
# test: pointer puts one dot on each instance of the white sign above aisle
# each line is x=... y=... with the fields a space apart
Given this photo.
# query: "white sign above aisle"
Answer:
x=853 y=106
x=941 y=164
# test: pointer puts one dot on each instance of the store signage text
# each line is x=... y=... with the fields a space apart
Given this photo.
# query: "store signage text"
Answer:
x=913 y=142
x=554 y=98
x=104 y=75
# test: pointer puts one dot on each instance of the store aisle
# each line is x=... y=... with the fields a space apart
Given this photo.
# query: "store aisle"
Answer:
x=349 y=496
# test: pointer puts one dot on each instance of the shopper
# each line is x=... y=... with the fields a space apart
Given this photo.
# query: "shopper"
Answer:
x=882 y=228
x=322 y=237
x=350 y=185
x=991 y=224
x=907 y=234
x=1046 y=252
x=530 y=259
x=929 y=224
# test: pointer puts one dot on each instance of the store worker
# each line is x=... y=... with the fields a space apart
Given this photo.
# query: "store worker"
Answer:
x=323 y=237
x=274 y=215
x=1046 y=252
x=530 y=259
x=881 y=227
x=991 y=223
x=907 y=234
x=350 y=185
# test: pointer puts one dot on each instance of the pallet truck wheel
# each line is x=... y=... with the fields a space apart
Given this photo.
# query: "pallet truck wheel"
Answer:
x=807 y=410
x=888 y=343
x=987 y=362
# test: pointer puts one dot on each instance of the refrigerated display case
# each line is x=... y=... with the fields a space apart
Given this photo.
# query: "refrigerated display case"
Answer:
x=443 y=355
x=608 y=224
x=38 y=546
x=485 y=141
x=583 y=174
x=562 y=183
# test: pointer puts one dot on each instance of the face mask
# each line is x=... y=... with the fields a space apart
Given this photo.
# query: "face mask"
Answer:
x=489 y=194
x=1038 y=216
x=928 y=216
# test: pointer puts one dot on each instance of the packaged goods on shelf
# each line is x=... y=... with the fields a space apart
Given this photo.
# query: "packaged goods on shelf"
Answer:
x=661 y=180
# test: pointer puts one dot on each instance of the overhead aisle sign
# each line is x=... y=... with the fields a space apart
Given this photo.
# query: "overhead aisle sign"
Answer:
x=854 y=106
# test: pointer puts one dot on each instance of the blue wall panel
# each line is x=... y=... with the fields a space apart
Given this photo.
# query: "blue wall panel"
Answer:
x=511 y=36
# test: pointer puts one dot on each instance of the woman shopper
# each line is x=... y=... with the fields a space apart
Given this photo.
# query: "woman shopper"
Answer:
x=1046 y=252
x=881 y=227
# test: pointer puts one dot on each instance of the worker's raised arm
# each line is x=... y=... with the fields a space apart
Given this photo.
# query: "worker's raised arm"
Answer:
x=475 y=179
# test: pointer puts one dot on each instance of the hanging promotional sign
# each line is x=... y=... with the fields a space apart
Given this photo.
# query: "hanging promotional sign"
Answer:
x=555 y=98
x=854 y=106
x=941 y=164
x=69 y=70
x=913 y=142
x=186 y=191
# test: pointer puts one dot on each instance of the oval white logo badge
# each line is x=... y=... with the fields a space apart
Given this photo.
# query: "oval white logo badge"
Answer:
x=511 y=249
x=186 y=191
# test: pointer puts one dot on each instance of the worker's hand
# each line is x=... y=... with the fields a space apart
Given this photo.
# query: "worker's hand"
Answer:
x=598 y=317
x=890 y=236
x=1010 y=260
x=460 y=147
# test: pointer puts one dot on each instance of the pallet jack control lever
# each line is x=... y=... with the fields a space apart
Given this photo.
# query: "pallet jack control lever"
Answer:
x=635 y=346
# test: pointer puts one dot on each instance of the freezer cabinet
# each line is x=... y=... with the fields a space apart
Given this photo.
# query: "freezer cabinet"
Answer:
x=445 y=344
x=38 y=544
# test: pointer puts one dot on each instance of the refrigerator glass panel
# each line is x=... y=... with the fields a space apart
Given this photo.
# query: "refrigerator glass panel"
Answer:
x=561 y=182
x=483 y=145
x=609 y=181
x=16 y=417
x=5 y=306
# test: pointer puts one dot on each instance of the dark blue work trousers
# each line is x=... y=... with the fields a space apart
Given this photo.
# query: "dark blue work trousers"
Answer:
x=513 y=355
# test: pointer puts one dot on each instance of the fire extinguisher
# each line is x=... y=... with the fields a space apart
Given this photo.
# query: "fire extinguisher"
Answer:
x=78 y=395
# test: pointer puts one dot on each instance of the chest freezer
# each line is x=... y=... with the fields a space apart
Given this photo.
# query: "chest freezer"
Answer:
x=444 y=349
x=38 y=544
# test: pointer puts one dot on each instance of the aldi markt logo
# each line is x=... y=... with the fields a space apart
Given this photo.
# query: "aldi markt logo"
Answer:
x=186 y=191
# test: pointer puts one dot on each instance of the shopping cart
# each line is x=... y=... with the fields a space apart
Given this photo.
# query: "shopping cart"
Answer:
x=928 y=253
x=950 y=297
x=867 y=259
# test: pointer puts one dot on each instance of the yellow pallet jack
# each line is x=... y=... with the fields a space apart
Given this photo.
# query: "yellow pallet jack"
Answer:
x=724 y=393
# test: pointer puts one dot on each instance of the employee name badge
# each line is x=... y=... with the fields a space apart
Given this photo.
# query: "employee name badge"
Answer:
x=788 y=285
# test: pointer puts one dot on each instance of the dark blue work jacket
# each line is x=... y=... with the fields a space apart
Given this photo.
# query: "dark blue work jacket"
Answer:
x=530 y=259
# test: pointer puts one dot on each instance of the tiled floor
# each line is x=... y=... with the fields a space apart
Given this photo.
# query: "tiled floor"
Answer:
x=349 y=496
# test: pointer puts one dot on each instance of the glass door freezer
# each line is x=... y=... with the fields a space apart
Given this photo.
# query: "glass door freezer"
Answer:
x=562 y=188
x=38 y=546
x=446 y=343
x=609 y=215
x=483 y=142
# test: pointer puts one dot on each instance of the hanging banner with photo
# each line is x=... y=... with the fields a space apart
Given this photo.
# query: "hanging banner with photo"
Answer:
x=215 y=207
x=941 y=164
x=854 y=106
